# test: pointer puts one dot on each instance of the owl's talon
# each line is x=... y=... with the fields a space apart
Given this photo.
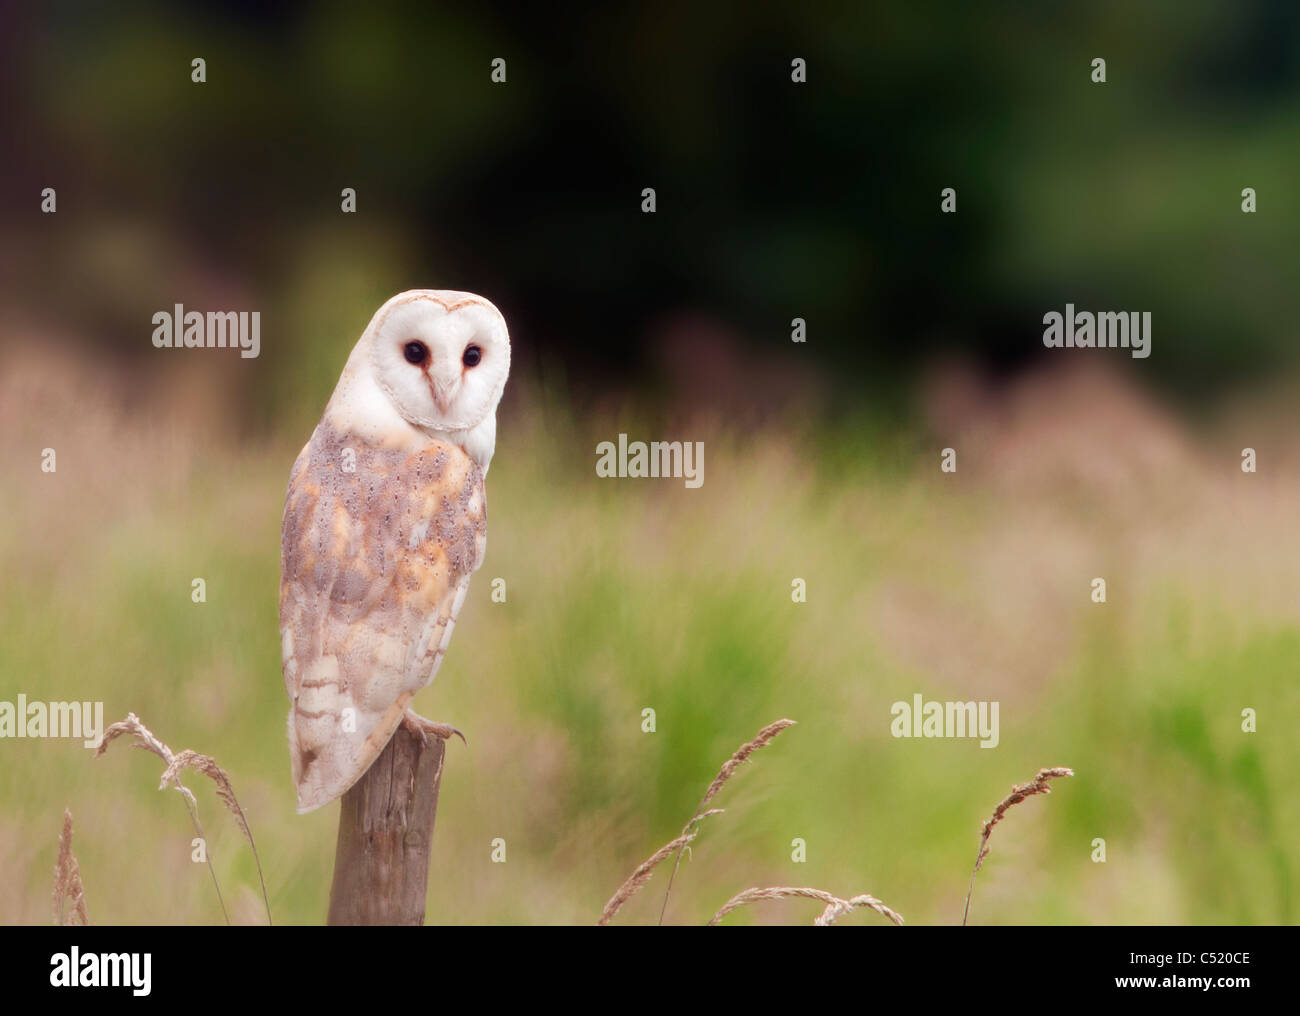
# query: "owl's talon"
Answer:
x=417 y=724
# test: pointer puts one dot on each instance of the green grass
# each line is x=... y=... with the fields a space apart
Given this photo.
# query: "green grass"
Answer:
x=626 y=595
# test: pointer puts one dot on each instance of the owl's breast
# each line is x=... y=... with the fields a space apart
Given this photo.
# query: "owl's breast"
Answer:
x=377 y=543
x=377 y=548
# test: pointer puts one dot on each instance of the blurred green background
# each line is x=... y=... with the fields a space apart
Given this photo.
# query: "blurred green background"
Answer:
x=775 y=201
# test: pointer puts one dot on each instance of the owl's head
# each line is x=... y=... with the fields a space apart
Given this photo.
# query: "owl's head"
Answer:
x=439 y=359
x=442 y=357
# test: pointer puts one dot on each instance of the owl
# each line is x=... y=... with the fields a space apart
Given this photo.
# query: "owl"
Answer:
x=384 y=523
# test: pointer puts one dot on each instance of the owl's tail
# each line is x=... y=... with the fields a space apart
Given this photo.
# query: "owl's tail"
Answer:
x=327 y=758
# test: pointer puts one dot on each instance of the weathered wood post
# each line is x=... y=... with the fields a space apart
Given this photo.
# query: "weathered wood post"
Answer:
x=381 y=864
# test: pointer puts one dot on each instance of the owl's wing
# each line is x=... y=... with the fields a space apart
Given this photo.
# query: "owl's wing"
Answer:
x=377 y=549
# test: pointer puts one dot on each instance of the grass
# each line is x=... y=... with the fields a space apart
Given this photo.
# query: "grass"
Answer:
x=1038 y=785
x=834 y=906
x=674 y=848
x=69 y=894
x=628 y=595
x=178 y=762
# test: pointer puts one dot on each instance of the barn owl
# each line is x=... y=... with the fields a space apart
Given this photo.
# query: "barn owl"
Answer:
x=384 y=522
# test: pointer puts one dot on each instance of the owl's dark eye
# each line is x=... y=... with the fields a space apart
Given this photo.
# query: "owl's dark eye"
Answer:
x=472 y=356
x=416 y=352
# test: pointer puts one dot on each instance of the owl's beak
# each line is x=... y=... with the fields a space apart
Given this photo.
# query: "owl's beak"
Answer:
x=443 y=390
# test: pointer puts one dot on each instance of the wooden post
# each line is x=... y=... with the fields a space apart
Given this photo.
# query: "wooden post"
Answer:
x=381 y=864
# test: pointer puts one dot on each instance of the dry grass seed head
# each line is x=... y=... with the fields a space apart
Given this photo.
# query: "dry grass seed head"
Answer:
x=646 y=868
x=1038 y=785
x=207 y=765
x=178 y=763
x=642 y=874
x=835 y=907
x=67 y=881
x=762 y=739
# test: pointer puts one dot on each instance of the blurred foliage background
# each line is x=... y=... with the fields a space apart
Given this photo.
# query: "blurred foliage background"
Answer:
x=775 y=201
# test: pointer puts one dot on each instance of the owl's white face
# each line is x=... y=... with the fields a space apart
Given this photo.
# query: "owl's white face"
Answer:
x=443 y=362
x=432 y=360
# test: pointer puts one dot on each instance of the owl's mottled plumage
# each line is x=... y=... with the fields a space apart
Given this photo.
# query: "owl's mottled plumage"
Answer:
x=384 y=523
